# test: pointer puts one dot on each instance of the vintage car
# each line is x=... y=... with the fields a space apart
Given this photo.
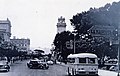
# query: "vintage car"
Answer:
x=50 y=62
x=114 y=68
x=36 y=63
x=4 y=66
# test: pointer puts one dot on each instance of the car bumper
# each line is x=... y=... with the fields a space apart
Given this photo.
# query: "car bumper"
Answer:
x=4 y=69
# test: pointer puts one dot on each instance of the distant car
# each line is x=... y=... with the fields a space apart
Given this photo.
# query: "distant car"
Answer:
x=4 y=66
x=50 y=62
x=113 y=61
x=37 y=64
x=113 y=68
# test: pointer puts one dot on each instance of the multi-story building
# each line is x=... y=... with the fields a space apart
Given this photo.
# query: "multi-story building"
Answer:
x=61 y=25
x=103 y=31
x=5 y=29
x=22 y=44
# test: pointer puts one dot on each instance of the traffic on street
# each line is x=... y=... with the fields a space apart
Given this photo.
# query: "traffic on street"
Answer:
x=20 y=68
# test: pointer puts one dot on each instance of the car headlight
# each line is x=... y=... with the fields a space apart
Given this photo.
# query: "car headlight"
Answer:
x=5 y=66
x=93 y=69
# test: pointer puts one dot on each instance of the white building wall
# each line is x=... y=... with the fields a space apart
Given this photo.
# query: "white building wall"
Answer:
x=61 y=29
x=22 y=44
x=5 y=27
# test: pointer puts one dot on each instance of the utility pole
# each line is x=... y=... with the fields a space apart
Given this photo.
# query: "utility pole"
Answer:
x=74 y=43
x=118 y=43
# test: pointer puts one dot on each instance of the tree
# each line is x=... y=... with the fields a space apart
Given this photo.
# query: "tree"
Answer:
x=60 y=44
x=81 y=22
x=9 y=50
x=107 y=15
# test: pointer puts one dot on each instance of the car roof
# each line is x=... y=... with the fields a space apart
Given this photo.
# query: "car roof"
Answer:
x=82 y=55
x=34 y=60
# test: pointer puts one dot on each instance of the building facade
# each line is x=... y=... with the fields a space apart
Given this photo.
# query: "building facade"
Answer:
x=101 y=32
x=22 y=44
x=5 y=29
x=61 y=25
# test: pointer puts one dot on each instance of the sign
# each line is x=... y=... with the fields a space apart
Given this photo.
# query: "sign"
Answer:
x=69 y=44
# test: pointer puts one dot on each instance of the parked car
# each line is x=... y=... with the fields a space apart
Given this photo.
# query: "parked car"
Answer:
x=113 y=68
x=4 y=66
x=36 y=63
x=112 y=61
x=50 y=62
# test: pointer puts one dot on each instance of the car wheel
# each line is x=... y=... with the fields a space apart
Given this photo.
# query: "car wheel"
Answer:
x=30 y=67
x=47 y=67
x=44 y=67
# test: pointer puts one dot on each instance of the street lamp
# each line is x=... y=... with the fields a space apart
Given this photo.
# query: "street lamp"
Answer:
x=117 y=35
x=74 y=41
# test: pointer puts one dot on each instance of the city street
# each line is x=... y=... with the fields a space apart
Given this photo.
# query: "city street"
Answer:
x=20 y=69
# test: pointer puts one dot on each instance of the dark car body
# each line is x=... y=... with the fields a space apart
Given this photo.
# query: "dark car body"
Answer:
x=37 y=64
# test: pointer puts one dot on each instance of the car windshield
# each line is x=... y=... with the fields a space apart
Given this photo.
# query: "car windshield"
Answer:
x=91 y=60
x=82 y=60
x=71 y=60
x=33 y=62
x=3 y=62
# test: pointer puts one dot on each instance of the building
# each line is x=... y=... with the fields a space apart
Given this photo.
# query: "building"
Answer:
x=5 y=30
x=61 y=25
x=22 y=44
x=1 y=37
x=101 y=32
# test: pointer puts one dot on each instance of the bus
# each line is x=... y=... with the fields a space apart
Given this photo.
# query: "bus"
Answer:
x=82 y=64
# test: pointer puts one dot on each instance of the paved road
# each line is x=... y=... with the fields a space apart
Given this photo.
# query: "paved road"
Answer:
x=20 y=69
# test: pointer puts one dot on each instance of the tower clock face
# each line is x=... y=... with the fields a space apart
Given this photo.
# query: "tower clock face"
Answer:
x=61 y=29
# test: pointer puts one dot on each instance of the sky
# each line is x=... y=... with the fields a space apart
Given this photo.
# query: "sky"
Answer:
x=37 y=19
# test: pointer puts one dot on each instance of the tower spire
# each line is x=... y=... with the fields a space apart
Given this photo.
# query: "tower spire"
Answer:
x=61 y=25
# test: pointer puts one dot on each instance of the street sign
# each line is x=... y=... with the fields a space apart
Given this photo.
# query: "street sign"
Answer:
x=69 y=44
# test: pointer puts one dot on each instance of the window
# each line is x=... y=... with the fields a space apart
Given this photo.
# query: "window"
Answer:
x=91 y=60
x=82 y=60
x=71 y=60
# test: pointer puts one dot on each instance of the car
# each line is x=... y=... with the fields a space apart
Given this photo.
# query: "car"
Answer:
x=36 y=63
x=112 y=61
x=113 y=68
x=4 y=66
x=50 y=62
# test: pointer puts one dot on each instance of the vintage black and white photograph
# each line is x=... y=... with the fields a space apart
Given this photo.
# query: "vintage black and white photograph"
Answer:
x=59 y=37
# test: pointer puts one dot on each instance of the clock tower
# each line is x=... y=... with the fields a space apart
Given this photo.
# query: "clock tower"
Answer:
x=61 y=25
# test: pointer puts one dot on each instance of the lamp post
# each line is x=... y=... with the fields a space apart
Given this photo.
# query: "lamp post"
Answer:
x=118 y=51
x=117 y=43
x=74 y=41
x=118 y=58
